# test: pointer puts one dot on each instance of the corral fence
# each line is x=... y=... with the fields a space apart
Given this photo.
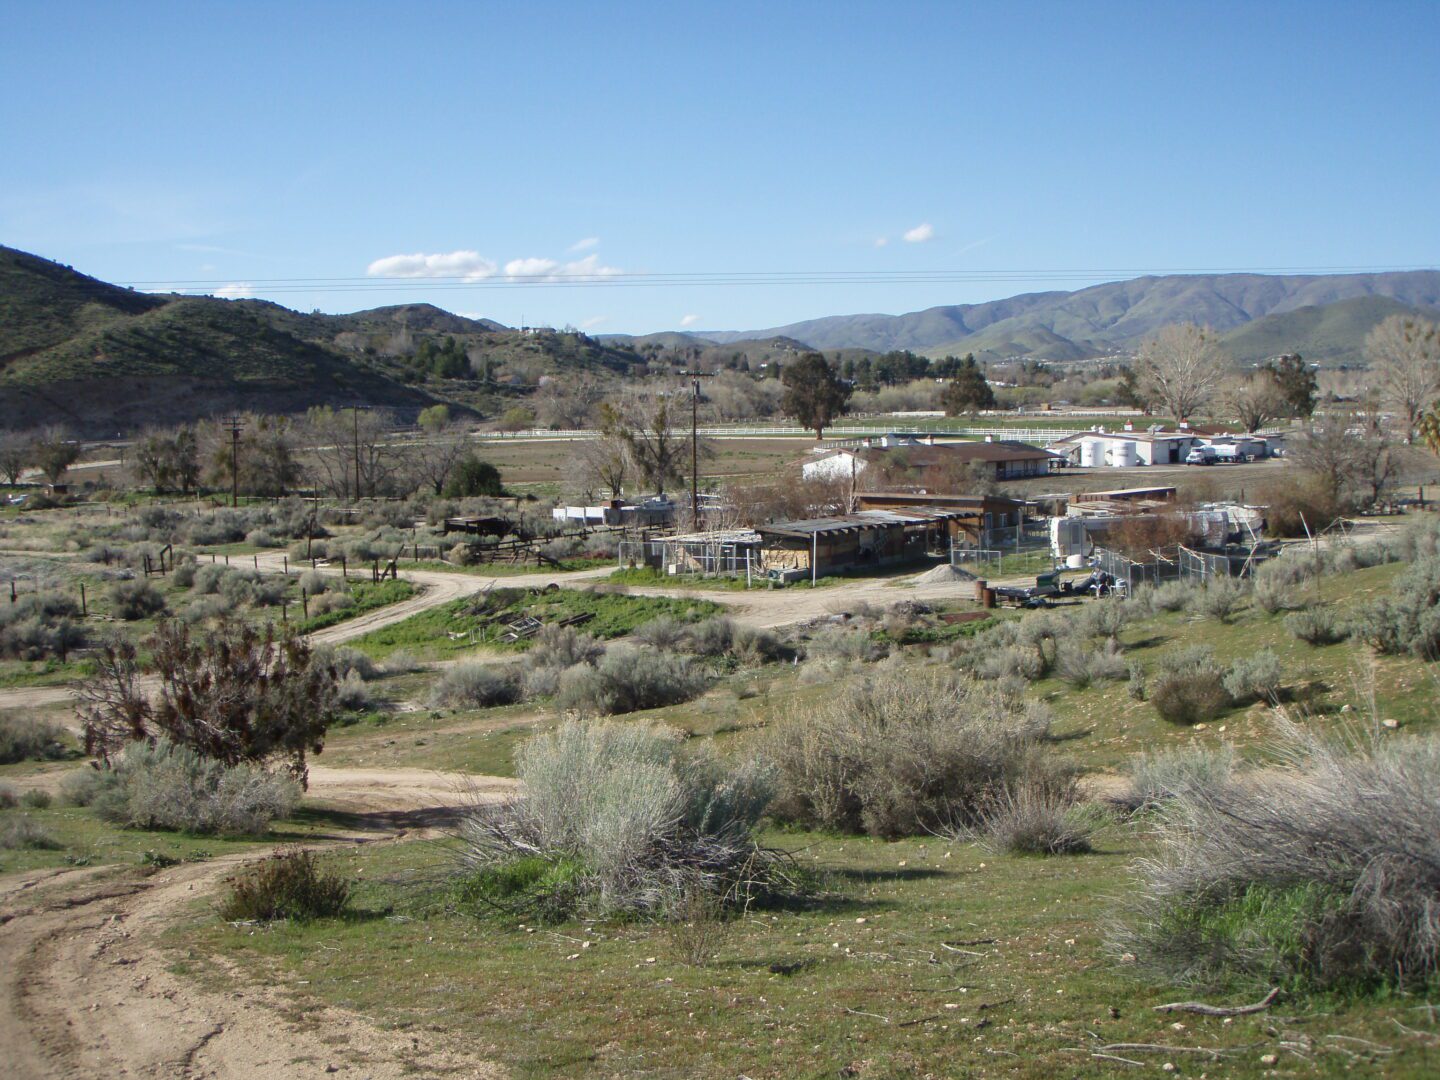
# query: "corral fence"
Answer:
x=1235 y=561
x=1035 y=436
x=982 y=562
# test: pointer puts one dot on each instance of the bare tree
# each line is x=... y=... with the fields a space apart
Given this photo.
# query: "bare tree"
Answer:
x=1253 y=399
x=1404 y=357
x=652 y=427
x=568 y=402
x=352 y=457
x=601 y=466
x=441 y=447
x=53 y=452
x=1179 y=367
x=1350 y=457
x=15 y=453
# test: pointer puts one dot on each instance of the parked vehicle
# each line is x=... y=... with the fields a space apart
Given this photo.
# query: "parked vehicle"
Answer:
x=1201 y=455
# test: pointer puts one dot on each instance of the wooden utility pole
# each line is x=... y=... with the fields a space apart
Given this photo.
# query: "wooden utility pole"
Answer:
x=234 y=425
x=695 y=377
x=355 y=414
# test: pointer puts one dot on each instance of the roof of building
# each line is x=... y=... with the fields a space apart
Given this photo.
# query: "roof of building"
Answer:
x=860 y=521
x=941 y=453
x=970 y=503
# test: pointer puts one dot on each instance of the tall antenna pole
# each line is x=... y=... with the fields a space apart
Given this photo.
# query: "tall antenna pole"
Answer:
x=355 y=414
x=234 y=424
x=695 y=377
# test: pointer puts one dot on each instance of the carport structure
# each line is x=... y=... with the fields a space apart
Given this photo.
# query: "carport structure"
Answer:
x=867 y=539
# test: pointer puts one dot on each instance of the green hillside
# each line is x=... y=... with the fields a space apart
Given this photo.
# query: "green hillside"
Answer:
x=1333 y=334
x=43 y=303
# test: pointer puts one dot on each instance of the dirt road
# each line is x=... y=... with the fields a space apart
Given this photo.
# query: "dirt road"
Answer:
x=85 y=991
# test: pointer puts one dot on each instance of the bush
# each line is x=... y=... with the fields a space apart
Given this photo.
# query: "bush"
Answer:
x=184 y=573
x=664 y=633
x=1171 y=596
x=352 y=695
x=1256 y=677
x=1273 y=596
x=474 y=686
x=1218 y=599
x=710 y=637
x=1012 y=661
x=1316 y=626
x=80 y=787
x=1155 y=777
x=1323 y=875
x=8 y=799
x=1189 y=687
x=28 y=739
x=902 y=755
x=261 y=539
x=346 y=660
x=1408 y=620
x=164 y=786
x=461 y=555
x=313 y=583
x=627 y=680
x=1033 y=819
x=1080 y=665
x=132 y=600
x=616 y=818
x=208 y=577
x=401 y=662
x=555 y=650
x=841 y=643
x=22 y=833
x=37 y=799
x=287 y=885
x=39 y=625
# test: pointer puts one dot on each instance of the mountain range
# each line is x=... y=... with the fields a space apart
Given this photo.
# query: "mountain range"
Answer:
x=1323 y=316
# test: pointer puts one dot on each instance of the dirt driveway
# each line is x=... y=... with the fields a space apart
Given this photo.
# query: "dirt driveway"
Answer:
x=85 y=991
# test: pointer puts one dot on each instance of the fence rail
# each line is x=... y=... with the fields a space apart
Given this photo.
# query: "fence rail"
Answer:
x=1038 y=436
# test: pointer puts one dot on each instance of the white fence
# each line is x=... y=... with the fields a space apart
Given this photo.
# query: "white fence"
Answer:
x=1036 y=436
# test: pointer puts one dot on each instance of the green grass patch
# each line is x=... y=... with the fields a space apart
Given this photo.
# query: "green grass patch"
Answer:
x=368 y=596
x=462 y=625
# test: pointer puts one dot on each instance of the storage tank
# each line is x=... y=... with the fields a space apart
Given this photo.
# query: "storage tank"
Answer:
x=1124 y=454
x=1092 y=453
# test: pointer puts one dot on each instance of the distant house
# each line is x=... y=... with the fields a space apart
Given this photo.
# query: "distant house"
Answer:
x=1008 y=459
x=1156 y=445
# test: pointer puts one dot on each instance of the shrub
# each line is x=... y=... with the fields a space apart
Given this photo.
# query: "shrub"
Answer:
x=80 y=787
x=626 y=680
x=1033 y=819
x=352 y=695
x=28 y=739
x=165 y=786
x=1323 y=875
x=664 y=633
x=710 y=637
x=617 y=818
x=1316 y=626
x=1273 y=596
x=39 y=625
x=840 y=643
x=132 y=600
x=208 y=577
x=1189 y=687
x=556 y=649
x=474 y=686
x=331 y=601
x=346 y=660
x=37 y=799
x=22 y=833
x=751 y=645
x=901 y=755
x=287 y=885
x=184 y=573
x=1255 y=677
x=313 y=583
x=8 y=799
x=1171 y=596
x=261 y=539
x=1104 y=618
x=1012 y=661
x=401 y=662
x=1155 y=777
x=1080 y=665
x=461 y=555
x=1218 y=599
x=1408 y=620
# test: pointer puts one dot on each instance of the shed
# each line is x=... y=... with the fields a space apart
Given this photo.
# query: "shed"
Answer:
x=866 y=539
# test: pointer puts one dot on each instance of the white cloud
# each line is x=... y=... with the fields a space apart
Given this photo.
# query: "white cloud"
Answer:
x=881 y=241
x=470 y=265
x=550 y=270
x=689 y=320
x=586 y=244
x=236 y=290
x=920 y=233
x=591 y=323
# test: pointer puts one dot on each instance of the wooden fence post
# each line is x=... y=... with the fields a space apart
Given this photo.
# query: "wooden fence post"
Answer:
x=84 y=607
x=305 y=602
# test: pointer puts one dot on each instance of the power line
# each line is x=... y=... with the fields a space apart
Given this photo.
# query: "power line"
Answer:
x=391 y=283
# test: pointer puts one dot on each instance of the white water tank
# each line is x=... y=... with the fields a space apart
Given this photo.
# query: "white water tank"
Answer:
x=1075 y=562
x=1092 y=453
x=1124 y=454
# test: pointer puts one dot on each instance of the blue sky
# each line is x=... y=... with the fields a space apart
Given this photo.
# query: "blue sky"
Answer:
x=297 y=151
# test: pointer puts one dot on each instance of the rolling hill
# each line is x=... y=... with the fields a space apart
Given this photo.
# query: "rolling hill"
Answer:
x=1116 y=315
x=79 y=351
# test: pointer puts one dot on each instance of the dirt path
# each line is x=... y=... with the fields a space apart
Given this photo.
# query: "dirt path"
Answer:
x=84 y=992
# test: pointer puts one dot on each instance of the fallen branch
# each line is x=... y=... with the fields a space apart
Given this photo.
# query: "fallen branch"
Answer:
x=920 y=1020
x=1220 y=1010
x=1157 y=1048
x=1115 y=1057
x=873 y=1016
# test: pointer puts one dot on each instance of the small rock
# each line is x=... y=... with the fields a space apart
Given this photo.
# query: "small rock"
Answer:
x=1177 y=1026
x=332 y=1068
x=1390 y=722
x=861 y=919
x=1269 y=1059
x=649 y=959
x=1114 y=1013
x=1169 y=1066
x=1201 y=727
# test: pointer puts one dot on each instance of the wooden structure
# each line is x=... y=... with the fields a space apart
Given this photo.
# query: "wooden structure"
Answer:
x=867 y=539
x=974 y=518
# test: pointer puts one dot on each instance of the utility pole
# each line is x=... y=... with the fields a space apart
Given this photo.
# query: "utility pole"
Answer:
x=233 y=424
x=355 y=413
x=695 y=377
